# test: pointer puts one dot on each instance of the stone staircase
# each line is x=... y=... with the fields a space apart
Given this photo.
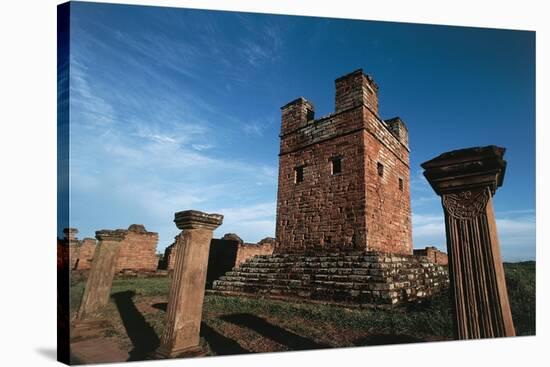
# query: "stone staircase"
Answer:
x=342 y=277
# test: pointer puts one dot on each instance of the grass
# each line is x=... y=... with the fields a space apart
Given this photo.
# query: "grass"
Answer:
x=241 y=324
x=521 y=284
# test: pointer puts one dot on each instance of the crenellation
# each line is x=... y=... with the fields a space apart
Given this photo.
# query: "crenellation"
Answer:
x=363 y=210
x=356 y=89
x=297 y=114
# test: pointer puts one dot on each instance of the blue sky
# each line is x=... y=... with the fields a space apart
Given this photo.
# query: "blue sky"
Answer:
x=174 y=109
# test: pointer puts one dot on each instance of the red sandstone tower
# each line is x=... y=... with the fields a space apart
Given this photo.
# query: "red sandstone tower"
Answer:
x=343 y=178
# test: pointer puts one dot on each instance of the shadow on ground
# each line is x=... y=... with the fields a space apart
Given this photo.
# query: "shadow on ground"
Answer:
x=219 y=344
x=141 y=334
x=160 y=306
x=291 y=340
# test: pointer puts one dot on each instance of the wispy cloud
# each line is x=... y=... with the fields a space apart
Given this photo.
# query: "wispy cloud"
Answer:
x=516 y=229
x=252 y=222
x=140 y=157
x=255 y=128
x=263 y=43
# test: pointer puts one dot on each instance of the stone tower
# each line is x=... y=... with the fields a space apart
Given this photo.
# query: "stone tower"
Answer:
x=343 y=178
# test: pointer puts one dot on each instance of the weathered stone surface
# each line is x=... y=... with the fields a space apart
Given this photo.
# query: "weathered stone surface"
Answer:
x=169 y=256
x=70 y=233
x=359 y=278
x=466 y=180
x=225 y=253
x=138 y=253
x=247 y=250
x=356 y=208
x=184 y=310
x=98 y=285
x=86 y=250
x=194 y=219
x=433 y=255
x=232 y=237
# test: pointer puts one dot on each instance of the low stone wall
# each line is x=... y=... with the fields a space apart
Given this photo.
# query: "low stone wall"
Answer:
x=221 y=258
x=225 y=253
x=231 y=247
x=247 y=250
x=168 y=258
x=85 y=254
x=433 y=255
x=351 y=277
x=138 y=251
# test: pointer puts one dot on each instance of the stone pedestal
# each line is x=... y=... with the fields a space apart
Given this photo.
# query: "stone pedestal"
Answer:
x=100 y=280
x=466 y=180
x=184 y=311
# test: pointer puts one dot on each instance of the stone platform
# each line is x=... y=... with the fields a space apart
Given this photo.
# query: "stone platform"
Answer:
x=342 y=277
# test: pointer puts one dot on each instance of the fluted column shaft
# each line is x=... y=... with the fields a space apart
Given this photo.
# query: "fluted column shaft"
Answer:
x=102 y=272
x=466 y=180
x=184 y=311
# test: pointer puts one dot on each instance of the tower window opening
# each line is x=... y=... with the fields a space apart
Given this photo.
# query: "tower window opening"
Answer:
x=336 y=165
x=380 y=169
x=299 y=174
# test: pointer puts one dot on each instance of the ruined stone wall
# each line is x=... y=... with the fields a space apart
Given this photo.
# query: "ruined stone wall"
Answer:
x=81 y=252
x=225 y=254
x=138 y=250
x=221 y=257
x=169 y=257
x=433 y=255
x=85 y=254
x=71 y=245
x=247 y=250
x=358 y=208
x=73 y=248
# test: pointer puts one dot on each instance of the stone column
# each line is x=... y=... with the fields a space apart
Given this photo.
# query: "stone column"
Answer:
x=184 y=311
x=100 y=280
x=467 y=180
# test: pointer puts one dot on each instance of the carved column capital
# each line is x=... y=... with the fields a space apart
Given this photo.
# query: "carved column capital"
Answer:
x=466 y=204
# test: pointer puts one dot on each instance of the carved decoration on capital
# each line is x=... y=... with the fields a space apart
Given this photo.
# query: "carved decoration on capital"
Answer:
x=466 y=204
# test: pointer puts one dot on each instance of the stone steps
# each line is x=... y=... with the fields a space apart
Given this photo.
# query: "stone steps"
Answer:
x=357 y=277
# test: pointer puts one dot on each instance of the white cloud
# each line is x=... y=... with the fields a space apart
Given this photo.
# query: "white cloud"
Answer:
x=251 y=223
x=201 y=147
x=516 y=230
x=147 y=164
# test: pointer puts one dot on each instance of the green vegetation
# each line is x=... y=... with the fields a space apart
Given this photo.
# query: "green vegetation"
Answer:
x=241 y=324
x=521 y=283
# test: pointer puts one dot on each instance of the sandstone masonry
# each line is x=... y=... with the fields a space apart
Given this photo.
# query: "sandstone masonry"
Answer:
x=343 y=178
x=137 y=251
x=350 y=277
x=225 y=253
x=343 y=209
x=433 y=254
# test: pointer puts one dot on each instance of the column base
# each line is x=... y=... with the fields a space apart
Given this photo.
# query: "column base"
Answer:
x=195 y=351
x=88 y=329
